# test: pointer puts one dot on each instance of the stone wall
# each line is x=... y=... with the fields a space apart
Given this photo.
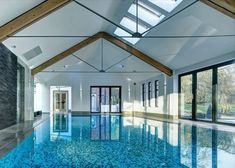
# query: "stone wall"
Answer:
x=8 y=87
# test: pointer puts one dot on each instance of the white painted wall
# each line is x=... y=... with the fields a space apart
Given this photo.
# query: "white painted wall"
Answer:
x=131 y=94
x=167 y=100
x=80 y=85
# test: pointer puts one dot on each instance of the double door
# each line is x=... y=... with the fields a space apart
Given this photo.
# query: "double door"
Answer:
x=106 y=99
x=60 y=101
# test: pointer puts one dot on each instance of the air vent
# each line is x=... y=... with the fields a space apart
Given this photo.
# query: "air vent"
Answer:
x=32 y=53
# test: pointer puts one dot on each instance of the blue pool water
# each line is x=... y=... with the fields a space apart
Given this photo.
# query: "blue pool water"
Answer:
x=115 y=141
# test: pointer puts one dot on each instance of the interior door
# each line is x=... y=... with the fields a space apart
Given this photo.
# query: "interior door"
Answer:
x=60 y=101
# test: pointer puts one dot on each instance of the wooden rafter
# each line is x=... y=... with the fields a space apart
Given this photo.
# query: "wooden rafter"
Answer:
x=227 y=7
x=30 y=17
x=111 y=39
x=137 y=53
x=66 y=53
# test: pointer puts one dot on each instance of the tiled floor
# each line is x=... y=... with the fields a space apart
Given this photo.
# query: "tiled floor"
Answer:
x=11 y=136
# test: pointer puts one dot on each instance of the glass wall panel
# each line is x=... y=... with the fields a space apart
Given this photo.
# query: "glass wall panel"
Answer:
x=105 y=103
x=186 y=97
x=226 y=94
x=115 y=99
x=95 y=99
x=204 y=95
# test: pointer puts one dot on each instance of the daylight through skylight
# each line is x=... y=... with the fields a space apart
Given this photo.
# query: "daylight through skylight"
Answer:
x=120 y=32
x=146 y=13
x=148 y=16
x=131 y=25
x=167 y=5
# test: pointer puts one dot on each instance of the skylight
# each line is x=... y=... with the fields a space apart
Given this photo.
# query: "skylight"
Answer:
x=131 y=25
x=167 y=5
x=146 y=13
x=120 y=32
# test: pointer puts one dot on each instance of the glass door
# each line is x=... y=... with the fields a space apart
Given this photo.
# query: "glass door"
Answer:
x=204 y=95
x=60 y=99
x=226 y=94
x=186 y=96
x=95 y=99
x=105 y=99
x=115 y=99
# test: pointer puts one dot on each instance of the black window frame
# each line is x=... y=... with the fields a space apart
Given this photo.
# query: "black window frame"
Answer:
x=149 y=93
x=156 y=92
x=214 y=69
x=143 y=95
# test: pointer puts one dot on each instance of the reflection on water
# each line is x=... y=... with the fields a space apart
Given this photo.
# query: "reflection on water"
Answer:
x=105 y=127
x=60 y=126
x=115 y=141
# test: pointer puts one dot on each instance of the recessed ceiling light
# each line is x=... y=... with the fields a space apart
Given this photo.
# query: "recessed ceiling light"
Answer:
x=128 y=79
x=120 y=66
x=66 y=66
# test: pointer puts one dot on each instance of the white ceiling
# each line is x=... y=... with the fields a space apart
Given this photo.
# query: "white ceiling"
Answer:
x=10 y=9
x=73 y=19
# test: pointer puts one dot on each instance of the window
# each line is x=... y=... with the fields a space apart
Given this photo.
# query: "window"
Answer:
x=149 y=93
x=167 y=5
x=186 y=96
x=226 y=94
x=156 y=92
x=146 y=13
x=120 y=32
x=204 y=95
x=143 y=94
x=131 y=25
x=209 y=93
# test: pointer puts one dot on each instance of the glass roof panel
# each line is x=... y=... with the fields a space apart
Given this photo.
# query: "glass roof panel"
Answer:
x=131 y=25
x=146 y=13
x=120 y=32
x=167 y=5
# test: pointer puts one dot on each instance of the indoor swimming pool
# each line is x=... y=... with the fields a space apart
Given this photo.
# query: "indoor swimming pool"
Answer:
x=116 y=141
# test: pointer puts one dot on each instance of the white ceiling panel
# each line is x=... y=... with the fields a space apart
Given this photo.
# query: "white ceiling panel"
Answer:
x=10 y=9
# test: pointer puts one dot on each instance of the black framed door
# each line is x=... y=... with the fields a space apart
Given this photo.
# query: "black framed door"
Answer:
x=105 y=99
x=208 y=94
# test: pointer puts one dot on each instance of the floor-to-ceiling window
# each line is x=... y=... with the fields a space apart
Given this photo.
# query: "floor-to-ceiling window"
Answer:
x=156 y=92
x=143 y=95
x=149 y=93
x=204 y=95
x=226 y=94
x=186 y=96
x=105 y=99
x=209 y=94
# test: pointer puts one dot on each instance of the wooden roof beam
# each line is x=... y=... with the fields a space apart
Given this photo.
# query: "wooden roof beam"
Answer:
x=111 y=39
x=147 y=59
x=29 y=17
x=66 y=53
x=226 y=7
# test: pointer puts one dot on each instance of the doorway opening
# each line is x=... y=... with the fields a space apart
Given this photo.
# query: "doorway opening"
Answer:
x=60 y=101
x=105 y=99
